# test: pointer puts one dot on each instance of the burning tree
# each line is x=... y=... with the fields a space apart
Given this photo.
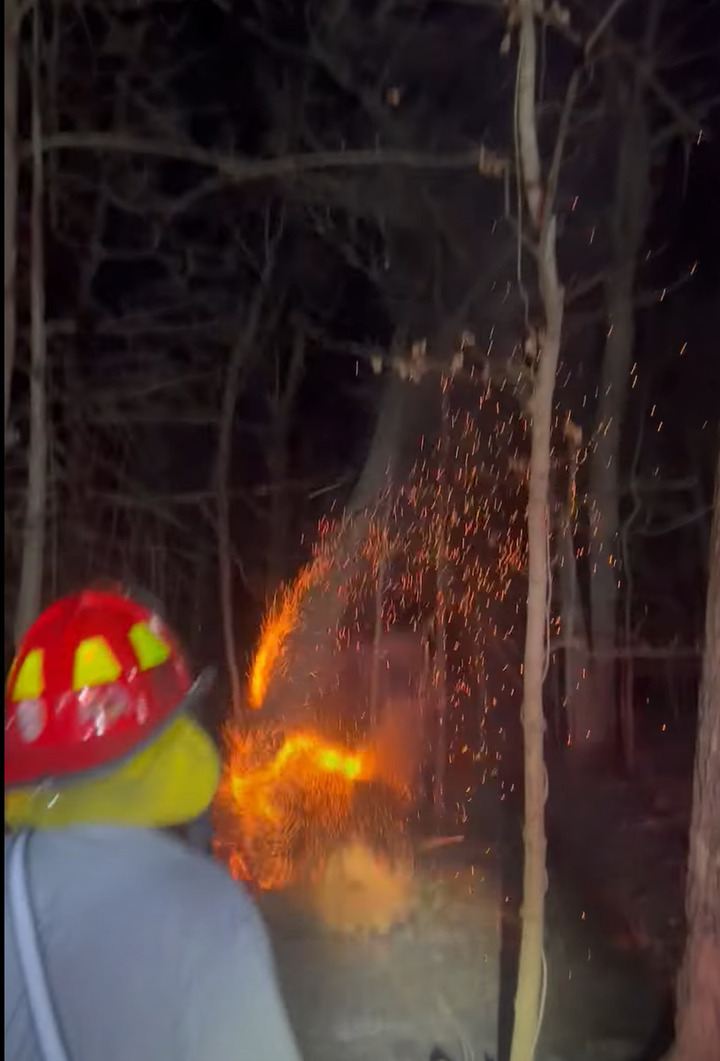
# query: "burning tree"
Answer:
x=327 y=614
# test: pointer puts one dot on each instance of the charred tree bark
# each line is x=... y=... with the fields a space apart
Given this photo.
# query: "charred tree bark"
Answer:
x=697 y=1022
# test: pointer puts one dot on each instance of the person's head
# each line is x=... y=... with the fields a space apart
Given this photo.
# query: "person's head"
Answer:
x=98 y=720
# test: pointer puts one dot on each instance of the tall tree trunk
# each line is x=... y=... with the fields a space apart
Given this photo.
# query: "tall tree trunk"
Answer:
x=527 y=999
x=286 y=393
x=441 y=614
x=576 y=650
x=12 y=43
x=380 y=588
x=31 y=573
x=596 y=715
x=311 y=646
x=238 y=358
x=540 y=207
x=697 y=1021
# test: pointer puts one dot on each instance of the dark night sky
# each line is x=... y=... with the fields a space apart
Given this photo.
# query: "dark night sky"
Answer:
x=235 y=73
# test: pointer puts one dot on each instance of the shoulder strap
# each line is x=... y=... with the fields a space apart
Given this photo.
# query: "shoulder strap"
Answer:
x=50 y=1040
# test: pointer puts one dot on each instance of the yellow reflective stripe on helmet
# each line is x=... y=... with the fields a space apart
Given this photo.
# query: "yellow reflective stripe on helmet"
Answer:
x=151 y=650
x=95 y=664
x=30 y=680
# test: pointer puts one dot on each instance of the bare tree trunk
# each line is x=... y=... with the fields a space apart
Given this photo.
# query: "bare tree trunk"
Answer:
x=441 y=608
x=374 y=705
x=527 y=999
x=627 y=691
x=278 y=466
x=12 y=43
x=31 y=572
x=222 y=471
x=311 y=645
x=576 y=651
x=697 y=1021
x=596 y=715
x=628 y=225
x=540 y=206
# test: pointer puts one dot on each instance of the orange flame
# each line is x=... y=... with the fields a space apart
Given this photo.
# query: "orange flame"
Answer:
x=281 y=810
x=273 y=795
x=277 y=626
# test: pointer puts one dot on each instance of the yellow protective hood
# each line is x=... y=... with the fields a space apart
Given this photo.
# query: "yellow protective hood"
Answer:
x=169 y=782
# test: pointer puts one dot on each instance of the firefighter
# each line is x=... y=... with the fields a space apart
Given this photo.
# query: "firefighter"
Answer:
x=120 y=940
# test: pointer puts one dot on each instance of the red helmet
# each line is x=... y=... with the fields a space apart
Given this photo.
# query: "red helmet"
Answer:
x=95 y=677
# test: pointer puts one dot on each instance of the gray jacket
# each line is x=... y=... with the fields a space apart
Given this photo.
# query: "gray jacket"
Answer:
x=151 y=953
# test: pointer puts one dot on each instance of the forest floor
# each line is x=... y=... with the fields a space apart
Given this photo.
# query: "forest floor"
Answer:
x=437 y=986
x=428 y=984
x=617 y=859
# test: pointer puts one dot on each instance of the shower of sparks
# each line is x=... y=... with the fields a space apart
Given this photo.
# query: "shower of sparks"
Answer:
x=449 y=544
x=446 y=546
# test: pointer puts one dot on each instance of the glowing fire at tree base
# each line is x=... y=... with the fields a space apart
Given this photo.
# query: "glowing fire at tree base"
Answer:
x=361 y=891
x=297 y=811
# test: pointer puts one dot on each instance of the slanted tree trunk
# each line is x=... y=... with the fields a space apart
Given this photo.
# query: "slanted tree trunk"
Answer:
x=596 y=710
x=294 y=690
x=31 y=572
x=697 y=1021
x=539 y=198
x=12 y=42
x=441 y=616
x=285 y=395
x=380 y=588
x=238 y=359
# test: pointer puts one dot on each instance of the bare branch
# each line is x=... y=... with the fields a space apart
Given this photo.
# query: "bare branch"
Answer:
x=603 y=25
x=554 y=173
x=239 y=170
x=684 y=119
